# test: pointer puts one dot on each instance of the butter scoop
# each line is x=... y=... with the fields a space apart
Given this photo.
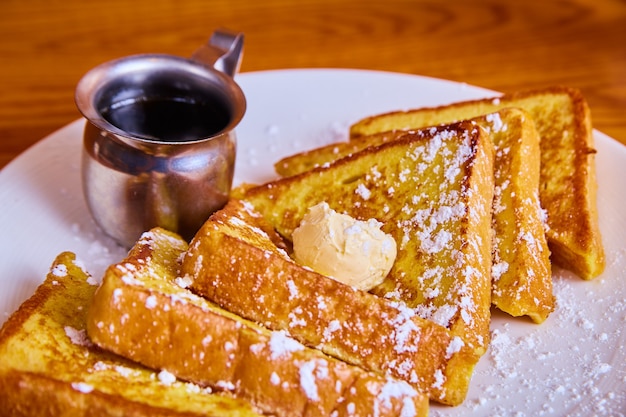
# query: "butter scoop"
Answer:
x=351 y=251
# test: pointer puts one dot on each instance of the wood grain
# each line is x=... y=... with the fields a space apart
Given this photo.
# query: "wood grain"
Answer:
x=46 y=46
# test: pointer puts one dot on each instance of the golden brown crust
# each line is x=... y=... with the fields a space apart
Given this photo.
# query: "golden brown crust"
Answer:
x=26 y=394
x=424 y=188
x=140 y=313
x=305 y=161
x=232 y=263
x=522 y=281
x=575 y=238
x=454 y=112
x=568 y=179
x=471 y=286
x=15 y=322
x=49 y=368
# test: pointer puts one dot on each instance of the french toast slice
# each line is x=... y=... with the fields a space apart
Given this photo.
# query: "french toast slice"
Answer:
x=143 y=312
x=48 y=367
x=432 y=190
x=521 y=272
x=568 y=187
x=234 y=263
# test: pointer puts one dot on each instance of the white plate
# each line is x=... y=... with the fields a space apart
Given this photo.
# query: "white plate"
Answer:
x=573 y=364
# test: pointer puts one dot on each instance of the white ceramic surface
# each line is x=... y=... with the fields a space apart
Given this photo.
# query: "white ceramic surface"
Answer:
x=572 y=365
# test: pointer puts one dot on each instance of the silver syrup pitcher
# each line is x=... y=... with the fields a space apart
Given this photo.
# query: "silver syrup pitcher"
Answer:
x=159 y=141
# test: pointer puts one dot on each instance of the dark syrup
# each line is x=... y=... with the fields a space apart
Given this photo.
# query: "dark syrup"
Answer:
x=169 y=119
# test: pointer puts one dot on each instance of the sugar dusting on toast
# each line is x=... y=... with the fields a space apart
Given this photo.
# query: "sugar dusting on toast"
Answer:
x=312 y=308
x=432 y=190
x=65 y=371
x=568 y=180
x=208 y=335
x=521 y=271
x=432 y=220
x=521 y=277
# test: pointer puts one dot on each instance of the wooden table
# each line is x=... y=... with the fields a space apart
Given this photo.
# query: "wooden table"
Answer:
x=45 y=47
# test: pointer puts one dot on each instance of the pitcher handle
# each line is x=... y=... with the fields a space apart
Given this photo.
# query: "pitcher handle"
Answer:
x=223 y=51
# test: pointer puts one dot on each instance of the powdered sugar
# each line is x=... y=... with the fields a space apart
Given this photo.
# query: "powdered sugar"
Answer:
x=293 y=290
x=566 y=363
x=59 y=270
x=398 y=389
x=308 y=380
x=455 y=346
x=497 y=125
x=183 y=282
x=78 y=337
x=82 y=387
x=333 y=326
x=282 y=345
x=498 y=269
x=151 y=302
x=166 y=378
x=363 y=192
x=406 y=333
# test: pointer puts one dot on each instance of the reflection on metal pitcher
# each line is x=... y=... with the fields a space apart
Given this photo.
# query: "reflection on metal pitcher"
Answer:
x=159 y=140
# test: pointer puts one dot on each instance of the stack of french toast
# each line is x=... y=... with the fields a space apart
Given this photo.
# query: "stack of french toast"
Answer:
x=481 y=198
